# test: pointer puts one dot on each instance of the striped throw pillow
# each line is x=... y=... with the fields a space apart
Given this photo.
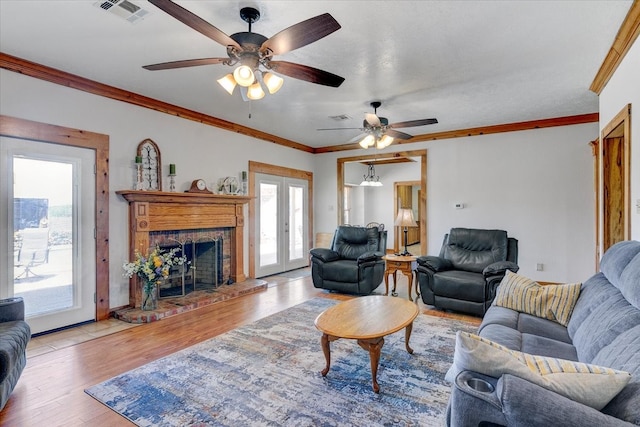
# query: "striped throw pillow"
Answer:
x=588 y=384
x=553 y=302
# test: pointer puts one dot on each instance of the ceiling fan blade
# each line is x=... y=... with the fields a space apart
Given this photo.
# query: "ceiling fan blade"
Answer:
x=195 y=22
x=184 y=63
x=300 y=34
x=338 y=128
x=397 y=134
x=306 y=73
x=413 y=123
x=372 y=119
x=357 y=138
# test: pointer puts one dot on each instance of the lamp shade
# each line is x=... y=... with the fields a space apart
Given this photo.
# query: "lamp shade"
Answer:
x=367 y=141
x=255 y=91
x=384 y=142
x=244 y=75
x=405 y=218
x=273 y=82
x=228 y=83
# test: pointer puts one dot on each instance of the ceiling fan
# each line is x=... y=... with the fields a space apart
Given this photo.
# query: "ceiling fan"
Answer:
x=378 y=131
x=252 y=50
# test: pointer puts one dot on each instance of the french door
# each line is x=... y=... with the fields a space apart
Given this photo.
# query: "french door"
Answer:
x=282 y=227
x=47 y=194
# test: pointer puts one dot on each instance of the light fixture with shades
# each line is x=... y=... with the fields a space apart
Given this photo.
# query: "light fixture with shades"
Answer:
x=379 y=133
x=252 y=54
x=370 y=179
x=405 y=219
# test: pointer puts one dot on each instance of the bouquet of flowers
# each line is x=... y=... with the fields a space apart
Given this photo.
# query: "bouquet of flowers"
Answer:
x=153 y=267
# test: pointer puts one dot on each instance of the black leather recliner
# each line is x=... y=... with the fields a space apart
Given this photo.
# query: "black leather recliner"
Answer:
x=470 y=267
x=354 y=263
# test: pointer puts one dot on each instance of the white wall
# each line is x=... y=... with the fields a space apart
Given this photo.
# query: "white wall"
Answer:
x=537 y=185
x=624 y=88
x=198 y=151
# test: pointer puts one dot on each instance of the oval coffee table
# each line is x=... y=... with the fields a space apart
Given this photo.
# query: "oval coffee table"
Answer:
x=368 y=320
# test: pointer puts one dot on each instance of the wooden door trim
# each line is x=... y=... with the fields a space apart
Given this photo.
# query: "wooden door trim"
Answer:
x=422 y=208
x=622 y=121
x=13 y=127
x=257 y=167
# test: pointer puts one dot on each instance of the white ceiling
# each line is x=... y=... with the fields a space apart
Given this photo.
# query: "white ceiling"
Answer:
x=467 y=63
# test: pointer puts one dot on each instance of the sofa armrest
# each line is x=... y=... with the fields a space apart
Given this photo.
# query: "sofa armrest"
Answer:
x=324 y=254
x=370 y=256
x=435 y=263
x=11 y=309
x=500 y=268
x=522 y=400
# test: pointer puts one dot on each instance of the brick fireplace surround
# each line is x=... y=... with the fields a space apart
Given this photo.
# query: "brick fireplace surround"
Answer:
x=155 y=211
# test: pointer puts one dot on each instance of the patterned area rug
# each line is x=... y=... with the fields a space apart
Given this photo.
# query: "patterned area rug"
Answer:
x=268 y=374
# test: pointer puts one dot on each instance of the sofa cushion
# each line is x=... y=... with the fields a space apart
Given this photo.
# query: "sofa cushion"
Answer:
x=624 y=354
x=528 y=324
x=612 y=316
x=588 y=384
x=15 y=336
x=541 y=346
x=553 y=302
x=616 y=258
x=629 y=280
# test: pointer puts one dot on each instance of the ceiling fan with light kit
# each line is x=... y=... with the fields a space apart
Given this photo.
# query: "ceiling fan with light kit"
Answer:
x=379 y=133
x=253 y=52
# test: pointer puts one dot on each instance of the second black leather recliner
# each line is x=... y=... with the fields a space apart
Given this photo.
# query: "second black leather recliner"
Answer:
x=471 y=264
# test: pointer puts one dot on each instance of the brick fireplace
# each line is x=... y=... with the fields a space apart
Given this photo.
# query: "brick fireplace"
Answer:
x=159 y=218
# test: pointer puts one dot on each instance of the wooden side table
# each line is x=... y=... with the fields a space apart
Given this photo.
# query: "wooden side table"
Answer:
x=405 y=265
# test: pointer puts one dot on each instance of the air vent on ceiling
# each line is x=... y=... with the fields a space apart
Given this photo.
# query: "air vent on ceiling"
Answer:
x=340 y=118
x=124 y=9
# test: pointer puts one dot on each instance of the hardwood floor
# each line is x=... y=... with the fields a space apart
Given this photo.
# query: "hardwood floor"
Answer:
x=50 y=391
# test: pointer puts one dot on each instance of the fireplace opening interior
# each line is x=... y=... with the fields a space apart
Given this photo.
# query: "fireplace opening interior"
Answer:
x=202 y=271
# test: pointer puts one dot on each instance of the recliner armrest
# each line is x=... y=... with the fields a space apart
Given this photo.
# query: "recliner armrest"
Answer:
x=370 y=256
x=499 y=268
x=521 y=402
x=324 y=254
x=435 y=263
x=11 y=309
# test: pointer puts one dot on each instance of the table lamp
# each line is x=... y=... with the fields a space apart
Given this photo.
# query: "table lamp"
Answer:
x=405 y=219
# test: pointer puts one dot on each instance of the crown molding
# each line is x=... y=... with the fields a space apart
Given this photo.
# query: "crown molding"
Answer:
x=627 y=34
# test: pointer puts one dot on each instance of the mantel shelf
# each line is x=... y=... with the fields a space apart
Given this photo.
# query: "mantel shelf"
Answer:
x=169 y=197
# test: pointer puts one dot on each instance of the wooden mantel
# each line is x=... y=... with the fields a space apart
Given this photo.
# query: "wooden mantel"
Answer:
x=163 y=211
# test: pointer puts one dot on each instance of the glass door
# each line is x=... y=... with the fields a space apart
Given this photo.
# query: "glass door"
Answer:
x=48 y=227
x=281 y=224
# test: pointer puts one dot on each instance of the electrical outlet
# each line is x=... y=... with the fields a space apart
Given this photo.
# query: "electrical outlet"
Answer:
x=539 y=267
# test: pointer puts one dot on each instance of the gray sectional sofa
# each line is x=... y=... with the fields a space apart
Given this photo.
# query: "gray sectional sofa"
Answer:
x=604 y=330
x=14 y=337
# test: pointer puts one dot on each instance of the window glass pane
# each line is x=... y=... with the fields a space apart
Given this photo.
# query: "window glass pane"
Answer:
x=268 y=224
x=296 y=225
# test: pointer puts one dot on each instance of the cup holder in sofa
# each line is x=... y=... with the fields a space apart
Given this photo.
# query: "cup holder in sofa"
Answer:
x=480 y=385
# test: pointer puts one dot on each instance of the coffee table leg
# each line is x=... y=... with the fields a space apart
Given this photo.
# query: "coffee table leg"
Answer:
x=324 y=341
x=407 y=336
x=374 y=347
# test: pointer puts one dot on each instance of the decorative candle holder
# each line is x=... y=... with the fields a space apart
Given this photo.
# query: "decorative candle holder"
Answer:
x=172 y=182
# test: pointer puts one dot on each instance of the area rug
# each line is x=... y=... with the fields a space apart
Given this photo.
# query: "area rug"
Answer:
x=268 y=374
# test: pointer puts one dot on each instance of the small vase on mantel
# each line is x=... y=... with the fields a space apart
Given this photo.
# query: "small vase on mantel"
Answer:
x=149 y=296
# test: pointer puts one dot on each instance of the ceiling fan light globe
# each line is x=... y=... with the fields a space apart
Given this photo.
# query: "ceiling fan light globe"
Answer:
x=255 y=92
x=273 y=82
x=244 y=75
x=228 y=83
x=367 y=141
x=384 y=142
